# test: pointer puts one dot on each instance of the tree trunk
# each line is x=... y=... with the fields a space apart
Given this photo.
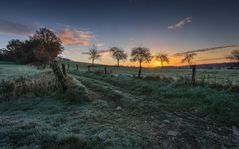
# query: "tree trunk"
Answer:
x=93 y=61
x=118 y=63
x=193 y=74
x=64 y=69
x=140 y=69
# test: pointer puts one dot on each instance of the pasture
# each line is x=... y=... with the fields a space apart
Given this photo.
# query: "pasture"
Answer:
x=213 y=76
x=124 y=112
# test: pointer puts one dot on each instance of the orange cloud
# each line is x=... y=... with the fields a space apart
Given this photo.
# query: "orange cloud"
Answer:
x=71 y=36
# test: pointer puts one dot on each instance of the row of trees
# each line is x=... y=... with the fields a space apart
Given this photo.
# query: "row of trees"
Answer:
x=138 y=54
x=142 y=54
x=42 y=47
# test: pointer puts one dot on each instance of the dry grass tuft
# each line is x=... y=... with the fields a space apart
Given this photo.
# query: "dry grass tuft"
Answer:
x=42 y=84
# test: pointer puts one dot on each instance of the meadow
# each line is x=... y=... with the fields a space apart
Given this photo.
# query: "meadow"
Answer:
x=212 y=76
x=123 y=112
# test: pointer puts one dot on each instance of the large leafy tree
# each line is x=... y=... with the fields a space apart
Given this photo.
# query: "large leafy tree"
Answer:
x=42 y=47
x=162 y=58
x=15 y=50
x=46 y=45
x=141 y=54
x=118 y=54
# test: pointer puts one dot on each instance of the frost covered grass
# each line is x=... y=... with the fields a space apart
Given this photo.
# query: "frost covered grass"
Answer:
x=220 y=76
x=53 y=123
x=203 y=101
x=123 y=112
x=9 y=71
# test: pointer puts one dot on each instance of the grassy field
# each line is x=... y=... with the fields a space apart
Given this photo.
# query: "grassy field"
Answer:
x=123 y=112
x=10 y=71
x=220 y=76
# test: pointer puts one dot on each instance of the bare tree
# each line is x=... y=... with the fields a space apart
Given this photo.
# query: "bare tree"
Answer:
x=162 y=58
x=188 y=58
x=94 y=54
x=234 y=56
x=118 y=54
x=141 y=54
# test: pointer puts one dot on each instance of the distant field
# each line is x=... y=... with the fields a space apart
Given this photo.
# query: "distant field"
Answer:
x=221 y=76
x=10 y=70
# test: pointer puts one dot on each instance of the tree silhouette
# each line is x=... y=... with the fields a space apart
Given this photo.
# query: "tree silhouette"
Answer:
x=162 y=58
x=94 y=54
x=234 y=56
x=46 y=45
x=15 y=50
x=188 y=58
x=141 y=54
x=118 y=54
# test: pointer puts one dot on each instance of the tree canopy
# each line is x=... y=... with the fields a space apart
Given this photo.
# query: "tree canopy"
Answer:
x=141 y=54
x=234 y=56
x=188 y=58
x=41 y=48
x=94 y=54
x=118 y=54
x=162 y=58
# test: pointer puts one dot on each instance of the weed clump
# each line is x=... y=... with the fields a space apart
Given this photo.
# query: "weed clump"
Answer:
x=42 y=84
x=75 y=90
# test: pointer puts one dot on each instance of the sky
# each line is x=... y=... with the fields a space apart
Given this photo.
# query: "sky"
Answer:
x=164 y=26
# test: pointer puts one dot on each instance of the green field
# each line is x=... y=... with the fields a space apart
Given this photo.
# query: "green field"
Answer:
x=123 y=112
x=220 y=76
x=10 y=71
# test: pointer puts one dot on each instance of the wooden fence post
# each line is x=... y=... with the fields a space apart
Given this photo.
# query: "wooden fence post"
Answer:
x=77 y=67
x=64 y=69
x=58 y=73
x=105 y=70
x=88 y=68
x=193 y=74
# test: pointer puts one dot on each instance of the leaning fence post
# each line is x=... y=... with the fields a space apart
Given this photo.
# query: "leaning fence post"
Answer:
x=193 y=74
x=64 y=69
x=60 y=76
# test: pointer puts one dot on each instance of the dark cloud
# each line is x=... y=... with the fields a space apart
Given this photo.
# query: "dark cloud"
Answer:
x=207 y=49
x=15 y=28
x=212 y=59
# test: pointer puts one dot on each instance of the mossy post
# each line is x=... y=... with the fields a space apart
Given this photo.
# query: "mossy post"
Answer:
x=59 y=75
x=193 y=74
x=64 y=69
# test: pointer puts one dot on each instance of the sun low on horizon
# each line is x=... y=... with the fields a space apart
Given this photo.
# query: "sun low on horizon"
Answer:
x=207 y=28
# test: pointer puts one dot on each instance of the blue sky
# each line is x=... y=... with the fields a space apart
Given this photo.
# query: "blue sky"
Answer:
x=169 y=26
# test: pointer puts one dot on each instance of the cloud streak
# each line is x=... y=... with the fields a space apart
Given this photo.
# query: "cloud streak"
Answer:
x=207 y=49
x=15 y=28
x=180 y=24
x=73 y=36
